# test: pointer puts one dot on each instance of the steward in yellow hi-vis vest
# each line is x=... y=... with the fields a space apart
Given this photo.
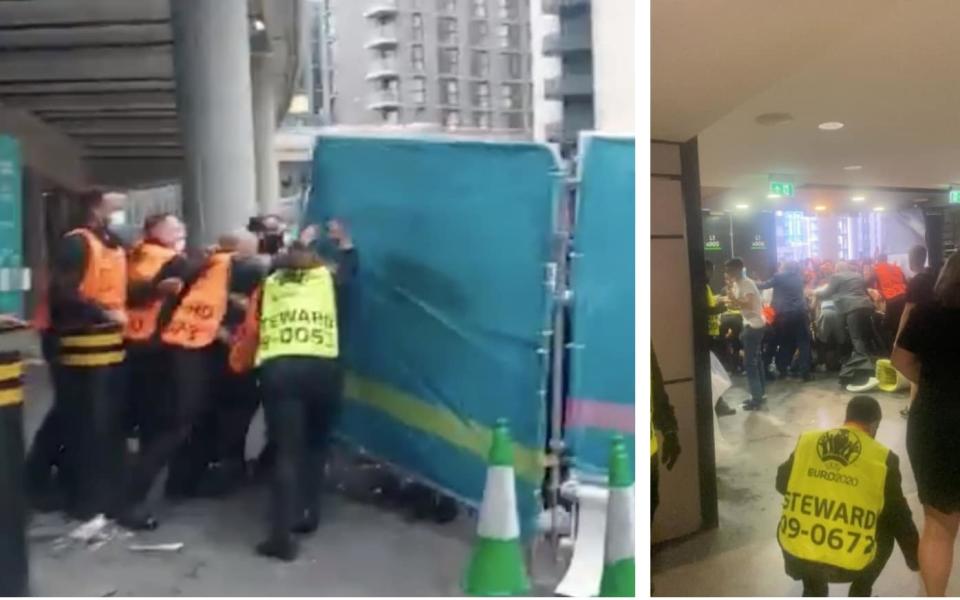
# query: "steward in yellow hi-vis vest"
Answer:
x=298 y=315
x=843 y=505
x=664 y=422
x=298 y=357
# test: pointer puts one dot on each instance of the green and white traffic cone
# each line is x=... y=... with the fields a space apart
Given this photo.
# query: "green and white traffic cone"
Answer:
x=496 y=565
x=619 y=567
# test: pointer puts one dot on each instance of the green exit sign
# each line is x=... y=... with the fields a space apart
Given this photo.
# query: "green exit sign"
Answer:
x=781 y=189
x=954 y=197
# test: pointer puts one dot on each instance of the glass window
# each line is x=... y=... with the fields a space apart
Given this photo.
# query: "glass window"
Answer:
x=447 y=31
x=447 y=6
x=480 y=94
x=479 y=33
x=416 y=24
x=480 y=63
x=416 y=57
x=479 y=9
x=418 y=90
x=509 y=9
x=512 y=120
x=512 y=65
x=449 y=59
x=420 y=115
x=451 y=118
x=482 y=120
x=511 y=95
x=391 y=117
x=449 y=91
x=509 y=35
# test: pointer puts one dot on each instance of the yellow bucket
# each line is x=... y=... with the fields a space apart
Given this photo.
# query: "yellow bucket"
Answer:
x=890 y=379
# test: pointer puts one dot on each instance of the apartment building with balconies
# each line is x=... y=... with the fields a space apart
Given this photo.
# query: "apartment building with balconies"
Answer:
x=572 y=43
x=458 y=63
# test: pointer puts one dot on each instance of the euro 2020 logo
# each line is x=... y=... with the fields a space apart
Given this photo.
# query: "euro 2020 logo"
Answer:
x=841 y=446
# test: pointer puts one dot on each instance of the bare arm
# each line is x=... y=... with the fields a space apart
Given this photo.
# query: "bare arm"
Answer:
x=907 y=363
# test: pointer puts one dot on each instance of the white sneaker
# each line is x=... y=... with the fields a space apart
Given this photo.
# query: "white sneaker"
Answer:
x=871 y=383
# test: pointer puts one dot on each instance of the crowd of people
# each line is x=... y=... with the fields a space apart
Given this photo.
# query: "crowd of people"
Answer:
x=826 y=316
x=843 y=505
x=161 y=354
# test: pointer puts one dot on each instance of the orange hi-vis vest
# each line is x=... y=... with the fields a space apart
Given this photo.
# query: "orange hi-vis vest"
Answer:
x=246 y=338
x=197 y=319
x=105 y=278
x=145 y=262
x=890 y=279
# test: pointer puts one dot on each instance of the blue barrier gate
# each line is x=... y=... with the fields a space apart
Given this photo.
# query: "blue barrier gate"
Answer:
x=445 y=326
x=601 y=396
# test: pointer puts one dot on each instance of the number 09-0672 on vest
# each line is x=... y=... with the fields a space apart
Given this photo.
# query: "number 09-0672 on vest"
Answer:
x=298 y=316
x=834 y=496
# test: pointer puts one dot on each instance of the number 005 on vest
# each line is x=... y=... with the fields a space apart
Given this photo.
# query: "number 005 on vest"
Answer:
x=299 y=316
x=834 y=498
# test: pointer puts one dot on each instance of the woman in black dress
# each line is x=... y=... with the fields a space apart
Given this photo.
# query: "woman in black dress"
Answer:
x=928 y=354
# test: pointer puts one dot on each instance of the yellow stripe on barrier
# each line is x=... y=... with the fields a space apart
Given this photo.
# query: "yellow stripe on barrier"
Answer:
x=414 y=412
x=11 y=371
x=11 y=396
x=91 y=341
x=100 y=359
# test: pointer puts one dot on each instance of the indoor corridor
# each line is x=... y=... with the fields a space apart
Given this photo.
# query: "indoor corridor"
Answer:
x=742 y=557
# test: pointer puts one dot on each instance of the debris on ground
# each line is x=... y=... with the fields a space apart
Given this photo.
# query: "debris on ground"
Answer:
x=171 y=547
x=89 y=530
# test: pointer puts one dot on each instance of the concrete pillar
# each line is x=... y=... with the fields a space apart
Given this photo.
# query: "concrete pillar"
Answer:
x=264 y=131
x=212 y=64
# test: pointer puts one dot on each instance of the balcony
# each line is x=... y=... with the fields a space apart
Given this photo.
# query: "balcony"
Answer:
x=555 y=44
x=553 y=7
x=383 y=68
x=383 y=38
x=381 y=9
x=568 y=86
x=383 y=99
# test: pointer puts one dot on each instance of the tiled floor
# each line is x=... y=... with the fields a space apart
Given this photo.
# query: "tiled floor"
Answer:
x=741 y=557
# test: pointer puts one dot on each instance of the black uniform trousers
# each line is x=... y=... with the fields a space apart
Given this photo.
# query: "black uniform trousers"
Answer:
x=302 y=401
x=184 y=400
x=90 y=410
x=862 y=585
x=46 y=450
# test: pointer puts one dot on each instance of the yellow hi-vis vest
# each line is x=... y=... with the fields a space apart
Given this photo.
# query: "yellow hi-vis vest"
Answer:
x=713 y=321
x=298 y=316
x=834 y=498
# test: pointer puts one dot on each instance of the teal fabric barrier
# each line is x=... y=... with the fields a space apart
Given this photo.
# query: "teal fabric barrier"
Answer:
x=601 y=396
x=11 y=231
x=444 y=324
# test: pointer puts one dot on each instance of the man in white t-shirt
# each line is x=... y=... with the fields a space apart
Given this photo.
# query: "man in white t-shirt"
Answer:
x=745 y=296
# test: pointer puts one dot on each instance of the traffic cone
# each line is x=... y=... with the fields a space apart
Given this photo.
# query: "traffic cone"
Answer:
x=619 y=568
x=496 y=565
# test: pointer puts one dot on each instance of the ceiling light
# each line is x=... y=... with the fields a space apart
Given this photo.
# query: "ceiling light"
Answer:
x=774 y=196
x=852 y=167
x=742 y=206
x=819 y=208
x=259 y=25
x=831 y=126
x=858 y=198
x=879 y=209
x=779 y=213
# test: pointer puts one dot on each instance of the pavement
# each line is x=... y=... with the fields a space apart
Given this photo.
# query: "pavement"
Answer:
x=360 y=549
x=741 y=557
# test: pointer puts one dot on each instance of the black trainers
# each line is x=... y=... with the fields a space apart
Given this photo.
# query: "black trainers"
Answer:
x=753 y=405
x=284 y=548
